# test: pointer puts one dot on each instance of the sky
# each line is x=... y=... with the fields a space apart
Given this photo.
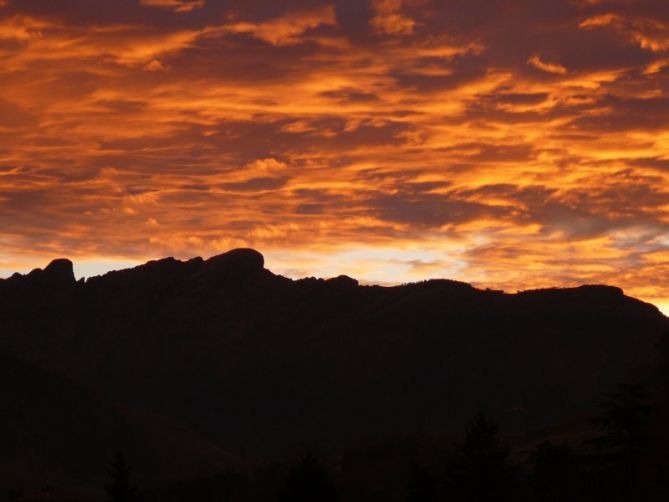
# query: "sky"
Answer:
x=513 y=144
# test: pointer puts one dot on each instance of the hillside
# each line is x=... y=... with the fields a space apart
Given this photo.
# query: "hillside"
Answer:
x=257 y=362
x=58 y=434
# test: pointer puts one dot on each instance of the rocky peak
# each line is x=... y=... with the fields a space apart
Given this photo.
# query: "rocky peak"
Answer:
x=61 y=270
x=235 y=263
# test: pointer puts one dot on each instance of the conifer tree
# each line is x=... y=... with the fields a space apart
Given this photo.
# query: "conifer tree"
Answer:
x=482 y=471
x=119 y=487
x=309 y=481
x=422 y=486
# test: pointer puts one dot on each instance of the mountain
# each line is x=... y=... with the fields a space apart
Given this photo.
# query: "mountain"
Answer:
x=59 y=434
x=257 y=362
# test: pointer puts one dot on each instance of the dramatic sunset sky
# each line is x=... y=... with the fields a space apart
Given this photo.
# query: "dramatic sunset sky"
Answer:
x=513 y=144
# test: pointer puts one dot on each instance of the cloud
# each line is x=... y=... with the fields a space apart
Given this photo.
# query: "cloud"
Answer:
x=286 y=30
x=14 y=116
x=21 y=28
x=350 y=95
x=649 y=32
x=429 y=210
x=175 y=5
x=517 y=143
x=255 y=185
x=389 y=20
x=548 y=67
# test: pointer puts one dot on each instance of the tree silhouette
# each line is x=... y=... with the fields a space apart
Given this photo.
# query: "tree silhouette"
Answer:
x=119 y=487
x=226 y=486
x=557 y=473
x=654 y=462
x=482 y=472
x=422 y=485
x=623 y=426
x=309 y=481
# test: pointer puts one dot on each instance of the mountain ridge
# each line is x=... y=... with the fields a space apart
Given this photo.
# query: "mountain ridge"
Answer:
x=247 y=260
x=256 y=362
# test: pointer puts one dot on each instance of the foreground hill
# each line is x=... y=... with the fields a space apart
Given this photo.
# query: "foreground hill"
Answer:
x=57 y=434
x=258 y=362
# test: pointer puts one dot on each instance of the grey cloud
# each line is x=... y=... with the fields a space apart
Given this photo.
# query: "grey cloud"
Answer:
x=256 y=184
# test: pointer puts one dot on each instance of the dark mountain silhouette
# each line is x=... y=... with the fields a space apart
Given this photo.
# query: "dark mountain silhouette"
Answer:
x=56 y=433
x=258 y=362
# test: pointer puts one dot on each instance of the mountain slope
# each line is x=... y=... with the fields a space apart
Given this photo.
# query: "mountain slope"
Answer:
x=261 y=362
x=59 y=434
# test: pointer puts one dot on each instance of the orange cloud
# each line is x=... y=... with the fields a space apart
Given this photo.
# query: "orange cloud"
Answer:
x=287 y=29
x=175 y=5
x=648 y=32
x=539 y=64
x=21 y=28
x=389 y=20
x=338 y=139
x=599 y=20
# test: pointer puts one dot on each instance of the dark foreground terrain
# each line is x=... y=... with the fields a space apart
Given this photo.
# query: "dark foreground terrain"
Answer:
x=214 y=378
